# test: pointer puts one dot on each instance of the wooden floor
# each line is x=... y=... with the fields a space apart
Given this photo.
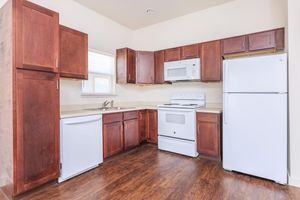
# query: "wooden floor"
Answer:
x=146 y=173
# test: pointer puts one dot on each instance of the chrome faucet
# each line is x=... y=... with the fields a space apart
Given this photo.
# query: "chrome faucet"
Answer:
x=105 y=103
x=112 y=103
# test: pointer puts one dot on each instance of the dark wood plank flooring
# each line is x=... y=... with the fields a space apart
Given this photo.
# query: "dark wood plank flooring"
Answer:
x=146 y=173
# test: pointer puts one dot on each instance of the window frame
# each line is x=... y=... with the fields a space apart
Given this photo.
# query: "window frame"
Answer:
x=113 y=80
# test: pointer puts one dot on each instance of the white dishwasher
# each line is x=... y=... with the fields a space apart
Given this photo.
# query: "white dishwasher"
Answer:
x=81 y=147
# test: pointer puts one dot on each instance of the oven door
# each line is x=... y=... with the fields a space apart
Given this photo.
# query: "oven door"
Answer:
x=177 y=123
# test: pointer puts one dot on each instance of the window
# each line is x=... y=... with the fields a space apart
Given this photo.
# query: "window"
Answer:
x=101 y=75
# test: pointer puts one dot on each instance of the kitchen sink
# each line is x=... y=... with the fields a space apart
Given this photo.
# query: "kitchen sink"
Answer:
x=109 y=108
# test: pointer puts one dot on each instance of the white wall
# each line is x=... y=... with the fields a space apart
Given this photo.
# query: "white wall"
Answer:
x=234 y=18
x=2 y=2
x=294 y=83
x=213 y=23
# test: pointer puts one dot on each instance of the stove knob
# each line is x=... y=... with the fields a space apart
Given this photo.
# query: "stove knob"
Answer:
x=174 y=132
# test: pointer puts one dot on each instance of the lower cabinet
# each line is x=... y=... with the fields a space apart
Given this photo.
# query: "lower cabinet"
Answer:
x=131 y=133
x=124 y=131
x=142 y=125
x=112 y=139
x=209 y=135
x=36 y=150
x=151 y=126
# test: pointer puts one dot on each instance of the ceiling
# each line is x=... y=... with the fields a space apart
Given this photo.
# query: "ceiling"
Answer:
x=132 y=13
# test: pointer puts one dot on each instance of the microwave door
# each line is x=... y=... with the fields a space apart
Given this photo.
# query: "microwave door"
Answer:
x=176 y=73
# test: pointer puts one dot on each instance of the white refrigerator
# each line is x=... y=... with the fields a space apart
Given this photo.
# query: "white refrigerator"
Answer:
x=255 y=119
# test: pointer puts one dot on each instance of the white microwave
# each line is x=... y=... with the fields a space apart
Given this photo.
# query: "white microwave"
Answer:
x=183 y=70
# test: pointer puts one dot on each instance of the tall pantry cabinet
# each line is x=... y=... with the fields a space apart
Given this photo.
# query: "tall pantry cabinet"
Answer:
x=29 y=103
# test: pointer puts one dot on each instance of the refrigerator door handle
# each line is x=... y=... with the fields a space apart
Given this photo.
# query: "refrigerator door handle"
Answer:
x=225 y=74
x=225 y=108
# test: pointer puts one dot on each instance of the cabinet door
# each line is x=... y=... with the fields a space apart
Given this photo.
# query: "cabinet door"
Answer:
x=73 y=55
x=263 y=40
x=151 y=126
x=37 y=37
x=112 y=139
x=190 y=51
x=37 y=129
x=131 y=133
x=142 y=125
x=211 y=61
x=235 y=45
x=126 y=66
x=131 y=66
x=208 y=139
x=159 y=58
x=172 y=54
x=145 y=67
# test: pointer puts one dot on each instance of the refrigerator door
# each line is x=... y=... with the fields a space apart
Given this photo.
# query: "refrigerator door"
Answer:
x=255 y=135
x=262 y=74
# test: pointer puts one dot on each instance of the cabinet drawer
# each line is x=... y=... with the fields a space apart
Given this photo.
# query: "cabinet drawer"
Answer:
x=130 y=115
x=114 y=117
x=208 y=117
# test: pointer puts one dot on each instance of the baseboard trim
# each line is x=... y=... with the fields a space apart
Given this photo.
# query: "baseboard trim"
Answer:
x=294 y=182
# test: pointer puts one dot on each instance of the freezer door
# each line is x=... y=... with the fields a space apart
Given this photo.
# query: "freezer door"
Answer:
x=256 y=74
x=255 y=135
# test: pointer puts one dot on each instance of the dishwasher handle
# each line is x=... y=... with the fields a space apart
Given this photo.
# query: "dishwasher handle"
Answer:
x=75 y=121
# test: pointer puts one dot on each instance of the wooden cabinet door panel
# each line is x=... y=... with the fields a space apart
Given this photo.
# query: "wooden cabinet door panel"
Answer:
x=211 y=61
x=190 y=51
x=142 y=125
x=152 y=126
x=145 y=67
x=235 y=45
x=112 y=139
x=159 y=58
x=37 y=135
x=131 y=133
x=73 y=59
x=208 y=139
x=131 y=66
x=172 y=54
x=263 y=40
x=37 y=37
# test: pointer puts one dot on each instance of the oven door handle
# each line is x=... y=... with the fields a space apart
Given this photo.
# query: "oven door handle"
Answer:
x=176 y=109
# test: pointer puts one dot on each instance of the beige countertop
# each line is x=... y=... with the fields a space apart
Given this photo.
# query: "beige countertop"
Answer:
x=80 y=112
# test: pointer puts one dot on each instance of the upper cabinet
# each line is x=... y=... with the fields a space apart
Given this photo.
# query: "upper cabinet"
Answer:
x=159 y=60
x=145 y=67
x=267 y=40
x=36 y=37
x=211 y=61
x=235 y=45
x=126 y=66
x=73 y=56
x=173 y=54
x=190 y=51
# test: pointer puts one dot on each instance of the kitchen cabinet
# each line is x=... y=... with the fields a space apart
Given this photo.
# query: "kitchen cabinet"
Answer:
x=145 y=67
x=126 y=66
x=190 y=51
x=131 y=133
x=112 y=134
x=142 y=125
x=73 y=54
x=209 y=135
x=151 y=126
x=266 y=40
x=30 y=96
x=235 y=45
x=159 y=59
x=36 y=37
x=37 y=129
x=211 y=61
x=173 y=54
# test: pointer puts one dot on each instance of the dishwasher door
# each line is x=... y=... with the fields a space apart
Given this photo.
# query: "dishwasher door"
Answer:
x=81 y=145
